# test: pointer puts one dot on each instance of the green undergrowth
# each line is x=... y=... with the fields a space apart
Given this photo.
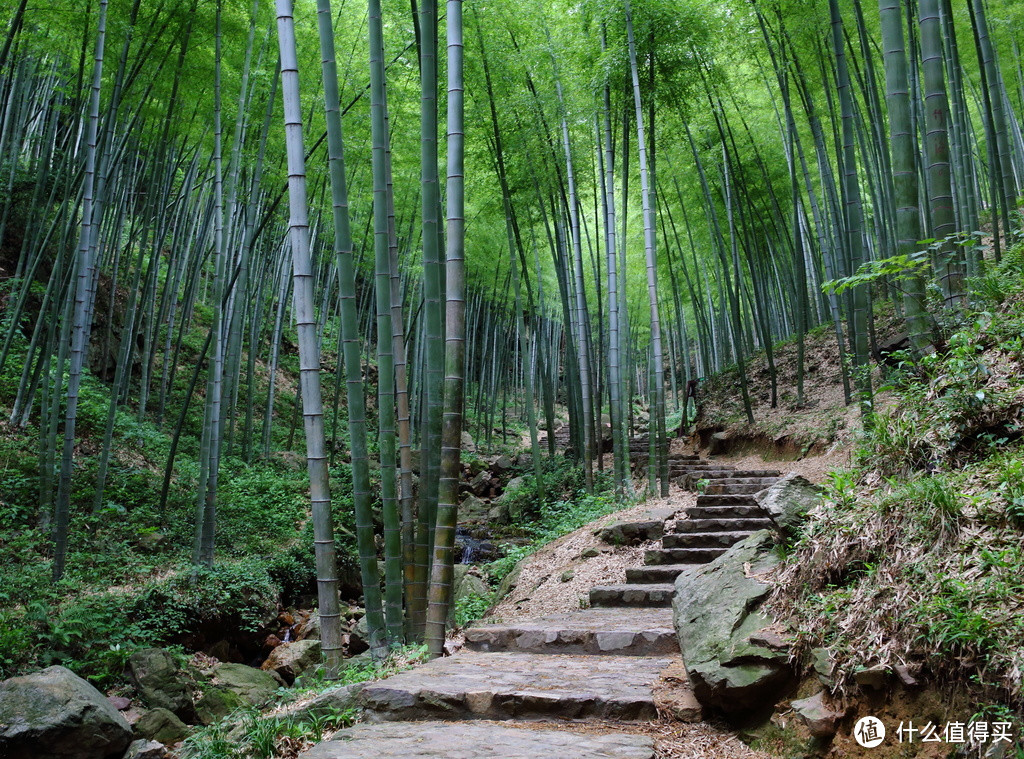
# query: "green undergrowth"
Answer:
x=558 y=516
x=127 y=582
x=283 y=729
x=917 y=555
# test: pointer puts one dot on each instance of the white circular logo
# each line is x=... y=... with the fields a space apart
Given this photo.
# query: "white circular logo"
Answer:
x=869 y=732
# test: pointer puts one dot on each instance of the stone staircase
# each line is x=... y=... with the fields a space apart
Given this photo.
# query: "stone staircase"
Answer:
x=595 y=664
x=726 y=512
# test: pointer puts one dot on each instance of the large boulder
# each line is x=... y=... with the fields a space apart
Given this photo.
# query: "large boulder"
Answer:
x=56 y=714
x=788 y=502
x=252 y=685
x=160 y=681
x=290 y=660
x=736 y=661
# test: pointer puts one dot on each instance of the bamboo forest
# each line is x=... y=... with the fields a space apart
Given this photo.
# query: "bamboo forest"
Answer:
x=556 y=378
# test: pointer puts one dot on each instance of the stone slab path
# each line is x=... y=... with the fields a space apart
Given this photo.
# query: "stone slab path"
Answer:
x=620 y=632
x=601 y=664
x=442 y=740
x=507 y=685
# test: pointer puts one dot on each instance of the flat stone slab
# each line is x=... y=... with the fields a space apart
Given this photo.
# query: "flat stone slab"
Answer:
x=619 y=632
x=477 y=740
x=642 y=595
x=500 y=686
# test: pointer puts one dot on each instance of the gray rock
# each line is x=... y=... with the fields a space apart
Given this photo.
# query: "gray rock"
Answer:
x=502 y=464
x=324 y=704
x=215 y=704
x=464 y=586
x=143 y=749
x=480 y=482
x=875 y=678
x=821 y=719
x=290 y=660
x=56 y=714
x=821 y=662
x=160 y=681
x=468 y=444
x=251 y=685
x=788 y=502
x=161 y=725
x=472 y=509
x=734 y=662
x=500 y=513
x=509 y=582
x=719 y=444
x=516 y=483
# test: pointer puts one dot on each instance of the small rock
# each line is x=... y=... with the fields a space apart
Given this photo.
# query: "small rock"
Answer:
x=903 y=673
x=502 y=464
x=480 y=482
x=161 y=725
x=290 y=660
x=821 y=662
x=874 y=677
x=143 y=749
x=590 y=553
x=821 y=719
x=119 y=702
x=567 y=575
x=468 y=445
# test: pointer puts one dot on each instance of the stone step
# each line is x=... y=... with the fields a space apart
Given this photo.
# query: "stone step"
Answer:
x=661 y=556
x=703 y=539
x=764 y=482
x=658 y=573
x=645 y=595
x=721 y=488
x=649 y=526
x=477 y=740
x=609 y=632
x=724 y=524
x=717 y=471
x=501 y=686
x=742 y=511
x=726 y=499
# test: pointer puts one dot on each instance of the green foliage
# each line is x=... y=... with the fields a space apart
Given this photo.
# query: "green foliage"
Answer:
x=259 y=507
x=894 y=268
x=247 y=733
x=471 y=607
